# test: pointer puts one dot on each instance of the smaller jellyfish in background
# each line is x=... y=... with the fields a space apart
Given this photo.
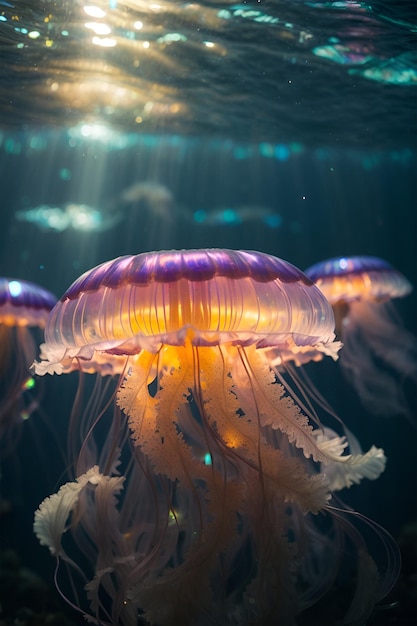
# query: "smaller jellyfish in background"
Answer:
x=24 y=308
x=379 y=356
x=73 y=216
x=45 y=217
x=151 y=197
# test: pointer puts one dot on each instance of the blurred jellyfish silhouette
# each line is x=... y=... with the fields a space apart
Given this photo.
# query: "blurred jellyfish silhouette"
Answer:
x=379 y=356
x=139 y=199
x=87 y=219
x=207 y=512
x=45 y=217
x=79 y=217
x=151 y=197
x=24 y=309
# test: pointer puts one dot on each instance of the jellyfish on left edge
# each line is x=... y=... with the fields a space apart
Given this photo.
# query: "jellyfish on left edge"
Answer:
x=24 y=308
x=209 y=516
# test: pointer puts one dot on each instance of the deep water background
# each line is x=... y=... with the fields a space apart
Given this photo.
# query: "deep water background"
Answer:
x=267 y=126
x=331 y=203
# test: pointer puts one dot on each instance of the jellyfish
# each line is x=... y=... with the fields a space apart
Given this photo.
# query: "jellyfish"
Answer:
x=24 y=307
x=205 y=512
x=379 y=357
x=152 y=198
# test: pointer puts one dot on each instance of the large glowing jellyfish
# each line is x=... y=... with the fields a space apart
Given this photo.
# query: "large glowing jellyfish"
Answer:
x=23 y=308
x=207 y=514
x=379 y=356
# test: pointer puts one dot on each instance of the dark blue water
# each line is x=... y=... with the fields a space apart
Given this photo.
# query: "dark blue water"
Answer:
x=285 y=127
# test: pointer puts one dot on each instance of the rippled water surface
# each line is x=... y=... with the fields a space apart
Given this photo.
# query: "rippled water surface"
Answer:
x=341 y=72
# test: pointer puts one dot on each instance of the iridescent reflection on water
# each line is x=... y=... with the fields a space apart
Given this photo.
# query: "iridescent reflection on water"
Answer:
x=279 y=71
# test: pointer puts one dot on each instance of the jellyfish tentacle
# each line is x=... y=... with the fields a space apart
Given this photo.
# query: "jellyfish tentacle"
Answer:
x=221 y=406
x=242 y=436
x=275 y=408
x=359 y=465
x=153 y=419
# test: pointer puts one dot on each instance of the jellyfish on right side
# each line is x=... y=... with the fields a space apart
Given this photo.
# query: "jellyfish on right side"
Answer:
x=379 y=356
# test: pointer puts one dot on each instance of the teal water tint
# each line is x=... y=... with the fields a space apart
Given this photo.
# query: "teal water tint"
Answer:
x=284 y=127
x=97 y=193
